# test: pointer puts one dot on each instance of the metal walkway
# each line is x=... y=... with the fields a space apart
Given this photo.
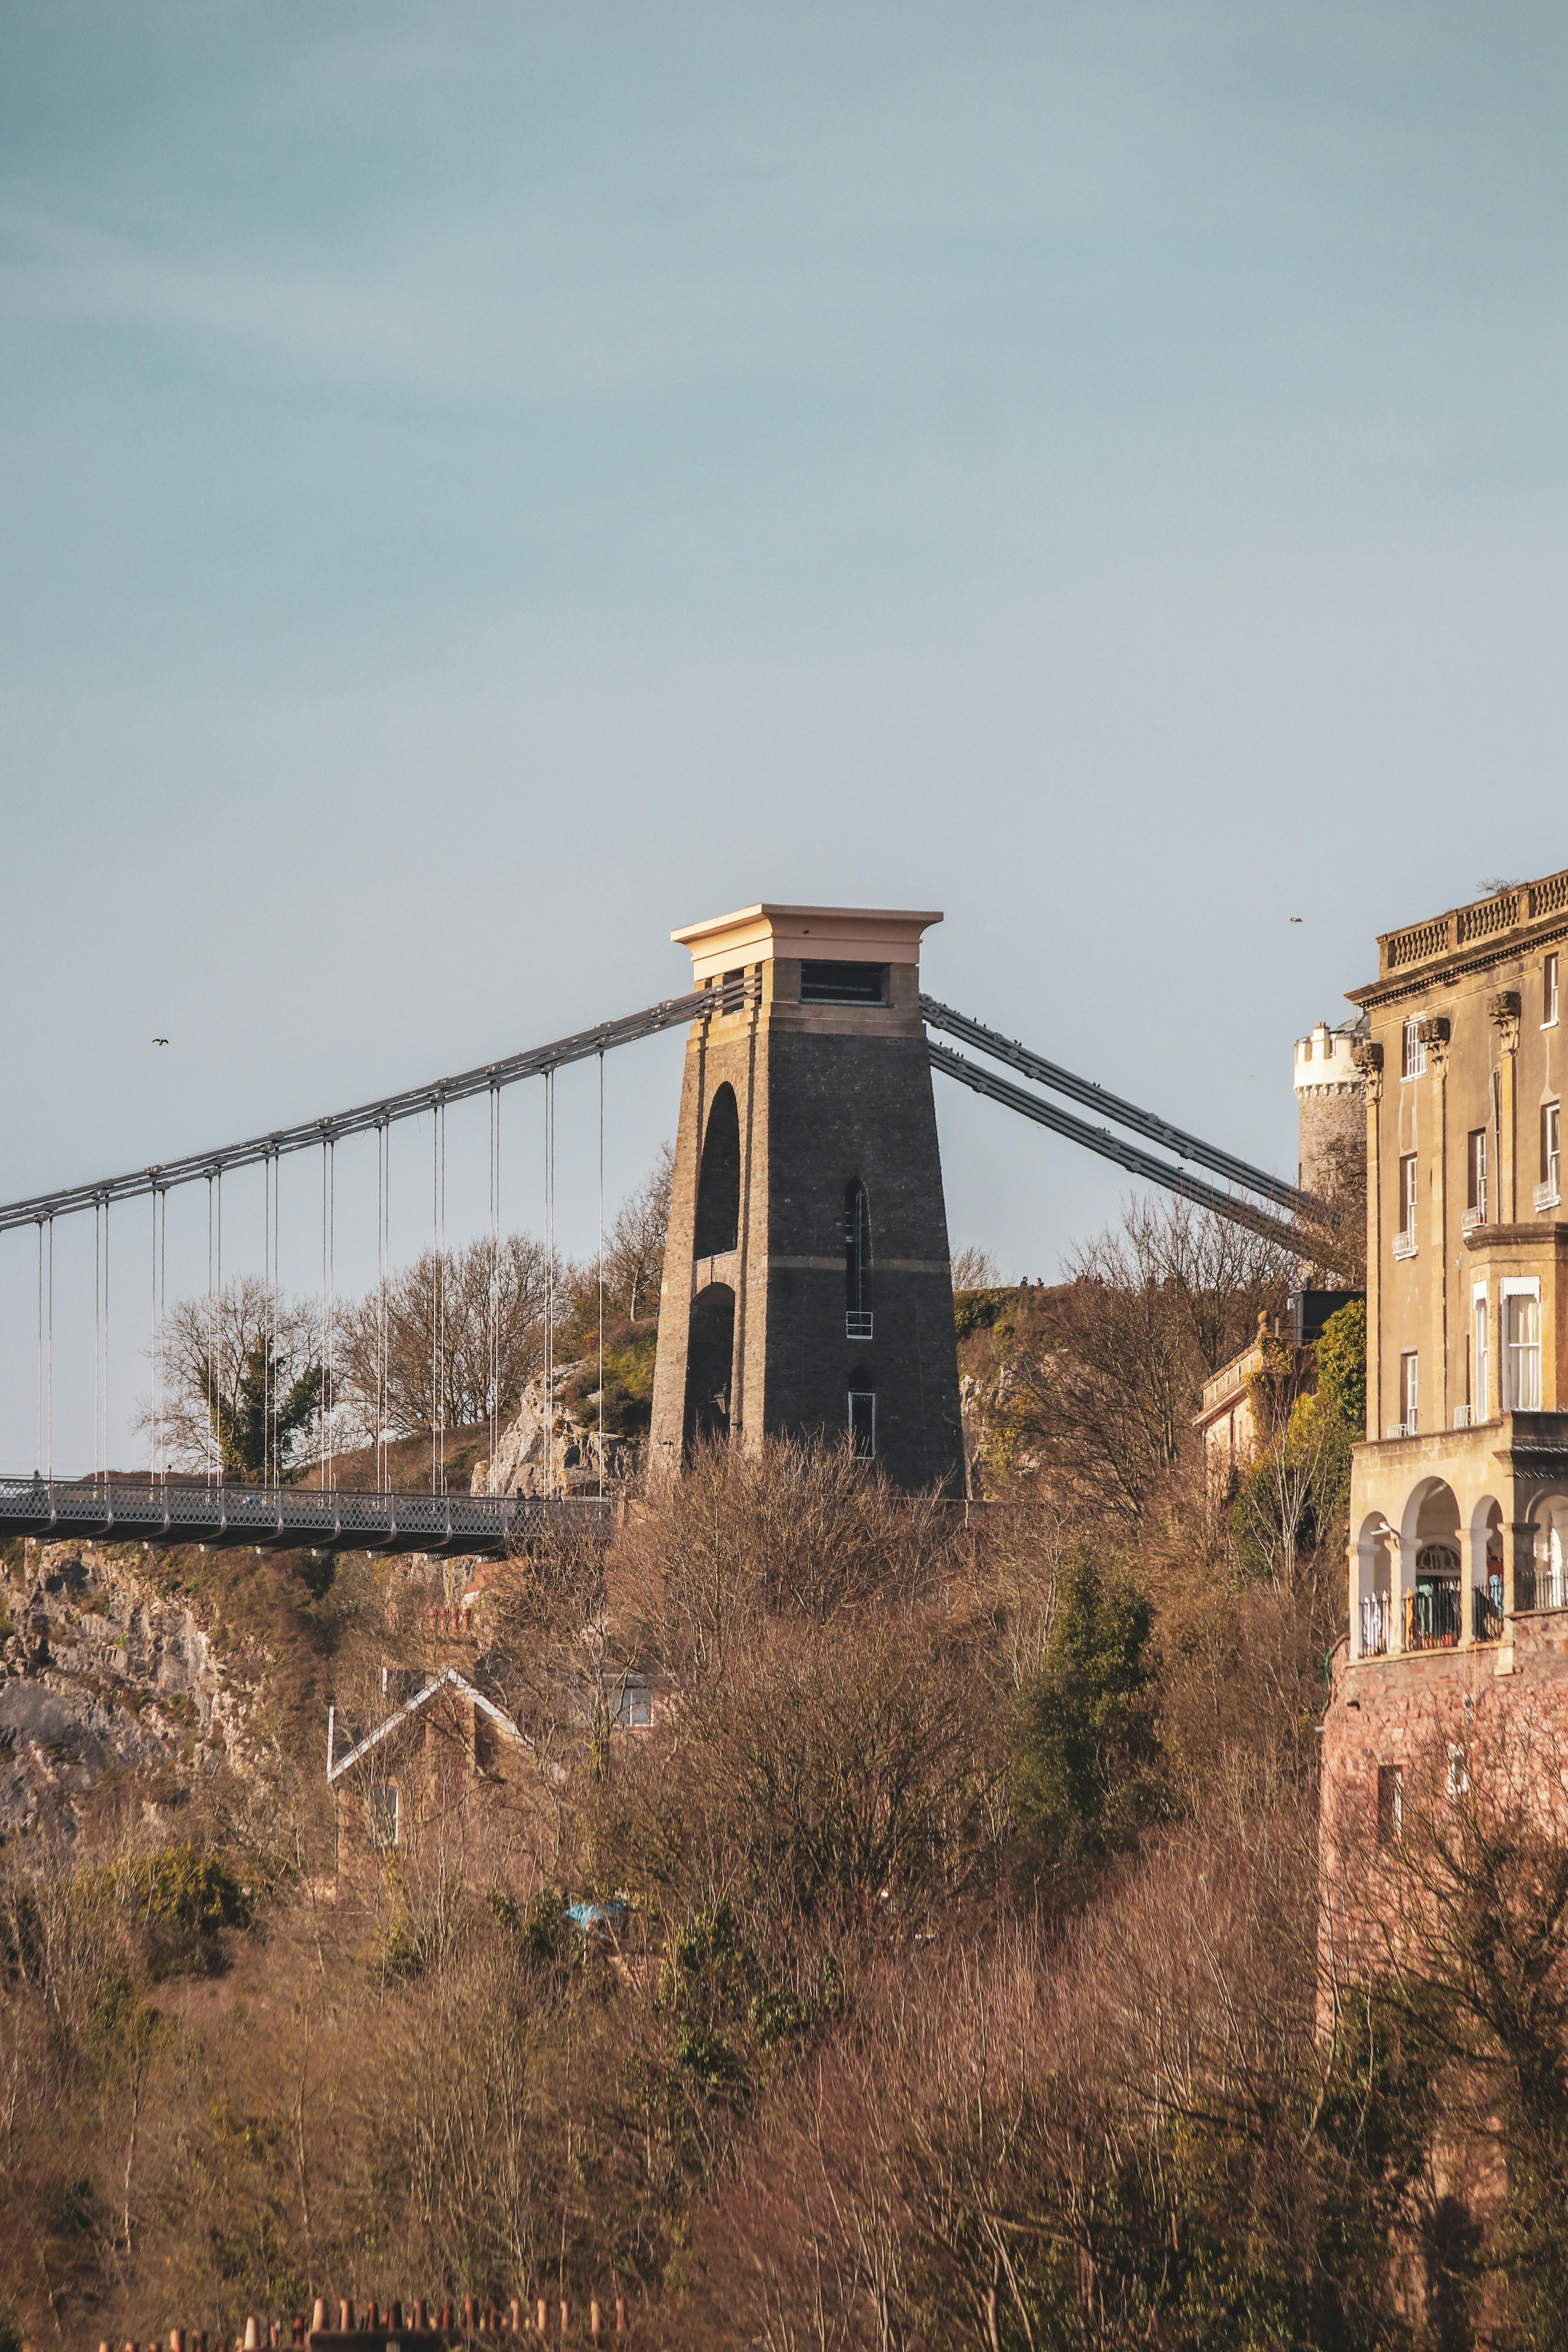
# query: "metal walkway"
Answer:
x=288 y=1519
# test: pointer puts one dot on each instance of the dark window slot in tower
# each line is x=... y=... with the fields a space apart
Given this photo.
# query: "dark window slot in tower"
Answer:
x=856 y=1261
x=843 y=983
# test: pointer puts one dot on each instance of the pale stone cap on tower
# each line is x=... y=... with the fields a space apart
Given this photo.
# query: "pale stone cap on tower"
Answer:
x=834 y=934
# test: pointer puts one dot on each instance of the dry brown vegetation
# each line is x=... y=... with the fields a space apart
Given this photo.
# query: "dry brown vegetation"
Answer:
x=956 y=1976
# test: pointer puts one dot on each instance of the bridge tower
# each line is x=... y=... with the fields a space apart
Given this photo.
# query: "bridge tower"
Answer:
x=807 y=1281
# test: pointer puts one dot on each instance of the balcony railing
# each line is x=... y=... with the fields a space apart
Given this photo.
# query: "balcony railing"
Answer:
x=1472 y=1220
x=1374 y=1624
x=1539 y=1586
x=1462 y=1416
x=1486 y=1616
x=1545 y=1196
x=1433 y=1617
x=1405 y=1245
x=1402 y=1428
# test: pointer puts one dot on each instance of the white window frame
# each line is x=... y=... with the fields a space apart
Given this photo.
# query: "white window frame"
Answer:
x=1478 y=1172
x=1480 y=1342
x=1553 y=1173
x=1411 y=1053
x=1520 y=1287
x=865 y=1396
x=1410 y=1390
x=1549 y=992
x=1410 y=1191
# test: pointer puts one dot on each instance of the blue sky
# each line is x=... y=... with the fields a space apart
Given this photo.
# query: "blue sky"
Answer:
x=487 y=485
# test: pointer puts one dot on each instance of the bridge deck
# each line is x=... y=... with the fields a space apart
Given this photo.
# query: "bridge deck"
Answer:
x=285 y=1519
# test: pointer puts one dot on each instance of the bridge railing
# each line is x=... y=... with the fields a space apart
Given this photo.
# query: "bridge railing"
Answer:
x=285 y=1517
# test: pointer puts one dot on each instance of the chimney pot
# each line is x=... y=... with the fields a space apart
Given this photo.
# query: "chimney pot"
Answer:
x=346 y=2318
x=620 y=2316
x=445 y=2314
x=594 y=2317
x=470 y=2312
x=421 y=2317
x=319 y=2314
x=252 y=2333
x=543 y=2316
x=565 y=2314
x=395 y=2322
x=373 y=2315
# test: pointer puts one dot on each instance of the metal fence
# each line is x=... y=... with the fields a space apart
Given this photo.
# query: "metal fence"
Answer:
x=285 y=1517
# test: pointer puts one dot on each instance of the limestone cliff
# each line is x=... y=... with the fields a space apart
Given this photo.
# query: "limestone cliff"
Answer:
x=101 y=1670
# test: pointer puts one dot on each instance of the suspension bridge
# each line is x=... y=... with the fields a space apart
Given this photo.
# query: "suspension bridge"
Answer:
x=278 y=1506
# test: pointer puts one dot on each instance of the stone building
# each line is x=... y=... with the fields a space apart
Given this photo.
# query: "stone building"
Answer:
x=1460 y=1495
x=1328 y=1101
x=807 y=1281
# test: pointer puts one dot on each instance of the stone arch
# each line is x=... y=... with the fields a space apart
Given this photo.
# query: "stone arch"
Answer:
x=1486 y=1568
x=1372 y=1618
x=1429 y=1559
x=718 y=1226
x=710 y=1364
x=1549 y=1526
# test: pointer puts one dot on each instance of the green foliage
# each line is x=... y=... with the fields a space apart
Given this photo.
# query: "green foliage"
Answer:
x=1293 y=1494
x=1085 y=1763
x=543 y=1929
x=180 y=1886
x=980 y=1310
x=268 y=1418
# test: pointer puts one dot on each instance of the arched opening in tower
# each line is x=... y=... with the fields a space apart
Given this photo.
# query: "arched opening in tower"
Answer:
x=710 y=1359
x=719 y=1180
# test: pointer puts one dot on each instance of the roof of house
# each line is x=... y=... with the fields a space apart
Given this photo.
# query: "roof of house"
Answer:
x=402 y=1717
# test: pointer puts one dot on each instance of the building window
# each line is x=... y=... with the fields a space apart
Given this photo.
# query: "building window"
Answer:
x=1407 y=1195
x=1409 y=1392
x=1481 y=1400
x=1521 y=1352
x=630 y=1704
x=1549 y=992
x=863 y=1422
x=383 y=1807
x=1390 y=1803
x=843 y=983
x=1458 y=1781
x=1477 y=1203
x=856 y=1261
x=1411 y=1053
x=1550 y=1151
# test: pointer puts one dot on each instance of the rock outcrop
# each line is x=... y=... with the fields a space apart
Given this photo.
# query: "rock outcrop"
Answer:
x=547 y=1449
x=99 y=1671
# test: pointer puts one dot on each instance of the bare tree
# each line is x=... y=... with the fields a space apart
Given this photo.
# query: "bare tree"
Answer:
x=212 y=1351
x=633 y=1254
x=454 y=1291
x=974 y=1270
x=1149 y=1313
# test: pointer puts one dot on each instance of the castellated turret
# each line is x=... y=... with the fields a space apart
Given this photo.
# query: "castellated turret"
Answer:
x=1329 y=1101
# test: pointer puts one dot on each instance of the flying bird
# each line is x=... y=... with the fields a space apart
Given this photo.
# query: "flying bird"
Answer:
x=1295 y=918
x=159 y=1041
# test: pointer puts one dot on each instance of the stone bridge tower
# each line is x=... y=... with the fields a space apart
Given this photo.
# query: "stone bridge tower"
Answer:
x=807 y=1282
